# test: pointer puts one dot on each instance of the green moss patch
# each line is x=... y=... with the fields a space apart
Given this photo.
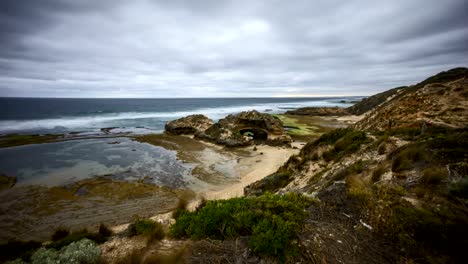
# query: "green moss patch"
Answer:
x=14 y=140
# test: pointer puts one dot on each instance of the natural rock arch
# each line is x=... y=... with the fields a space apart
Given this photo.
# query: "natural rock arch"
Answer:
x=257 y=133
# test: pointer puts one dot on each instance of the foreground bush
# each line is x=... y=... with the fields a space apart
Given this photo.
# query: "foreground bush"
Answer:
x=271 y=221
x=84 y=251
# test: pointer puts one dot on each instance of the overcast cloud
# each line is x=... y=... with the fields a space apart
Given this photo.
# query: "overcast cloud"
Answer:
x=215 y=48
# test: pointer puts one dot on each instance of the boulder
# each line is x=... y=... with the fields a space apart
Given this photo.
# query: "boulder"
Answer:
x=246 y=128
x=188 y=125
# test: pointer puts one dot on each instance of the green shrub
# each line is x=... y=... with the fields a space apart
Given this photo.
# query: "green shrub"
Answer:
x=84 y=251
x=331 y=137
x=354 y=168
x=433 y=176
x=349 y=143
x=432 y=236
x=459 y=189
x=407 y=156
x=271 y=221
x=147 y=227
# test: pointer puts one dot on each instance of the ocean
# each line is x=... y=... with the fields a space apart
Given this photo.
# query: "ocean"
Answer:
x=59 y=115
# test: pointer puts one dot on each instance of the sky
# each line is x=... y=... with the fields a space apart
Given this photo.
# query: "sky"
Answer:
x=217 y=48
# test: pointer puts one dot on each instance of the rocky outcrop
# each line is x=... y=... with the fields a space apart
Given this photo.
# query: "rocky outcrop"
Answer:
x=188 y=125
x=242 y=129
x=319 y=111
x=246 y=128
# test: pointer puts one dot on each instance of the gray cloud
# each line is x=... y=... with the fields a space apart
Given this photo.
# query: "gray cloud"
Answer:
x=225 y=48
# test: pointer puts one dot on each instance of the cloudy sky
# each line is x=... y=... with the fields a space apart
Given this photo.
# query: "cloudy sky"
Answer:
x=216 y=48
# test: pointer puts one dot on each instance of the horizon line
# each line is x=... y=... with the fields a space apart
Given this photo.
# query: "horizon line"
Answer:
x=256 y=97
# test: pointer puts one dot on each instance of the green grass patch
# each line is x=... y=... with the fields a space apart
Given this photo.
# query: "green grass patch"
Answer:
x=346 y=141
x=271 y=221
x=297 y=127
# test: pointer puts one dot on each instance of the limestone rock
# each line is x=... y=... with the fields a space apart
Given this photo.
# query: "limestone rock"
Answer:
x=246 y=128
x=319 y=111
x=188 y=125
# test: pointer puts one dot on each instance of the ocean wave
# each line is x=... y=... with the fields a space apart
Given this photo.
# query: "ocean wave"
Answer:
x=154 y=120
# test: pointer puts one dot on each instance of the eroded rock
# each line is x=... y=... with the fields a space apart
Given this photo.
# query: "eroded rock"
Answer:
x=246 y=128
x=188 y=125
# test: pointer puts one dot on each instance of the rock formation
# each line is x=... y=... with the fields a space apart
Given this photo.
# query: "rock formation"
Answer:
x=242 y=129
x=319 y=111
x=247 y=128
x=191 y=124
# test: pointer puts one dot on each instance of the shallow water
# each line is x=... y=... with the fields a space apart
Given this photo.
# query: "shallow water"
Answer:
x=65 y=162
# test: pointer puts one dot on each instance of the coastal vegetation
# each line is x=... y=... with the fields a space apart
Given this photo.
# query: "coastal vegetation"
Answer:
x=271 y=222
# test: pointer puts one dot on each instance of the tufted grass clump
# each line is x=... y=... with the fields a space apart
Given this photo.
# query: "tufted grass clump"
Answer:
x=271 y=221
x=154 y=231
x=349 y=143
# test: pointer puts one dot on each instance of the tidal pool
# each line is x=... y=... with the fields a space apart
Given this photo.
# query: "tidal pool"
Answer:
x=65 y=162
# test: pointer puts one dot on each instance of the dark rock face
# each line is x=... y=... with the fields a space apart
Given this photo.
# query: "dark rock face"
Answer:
x=319 y=111
x=191 y=124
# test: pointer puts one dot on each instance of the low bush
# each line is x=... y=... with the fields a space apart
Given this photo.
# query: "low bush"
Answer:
x=148 y=228
x=84 y=251
x=431 y=236
x=406 y=157
x=352 y=169
x=271 y=221
x=378 y=172
x=433 y=176
x=349 y=143
x=459 y=189
x=331 y=137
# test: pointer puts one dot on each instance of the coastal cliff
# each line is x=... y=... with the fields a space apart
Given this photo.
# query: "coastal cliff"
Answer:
x=397 y=178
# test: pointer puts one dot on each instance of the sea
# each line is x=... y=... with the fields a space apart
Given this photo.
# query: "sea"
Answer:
x=118 y=156
x=60 y=115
